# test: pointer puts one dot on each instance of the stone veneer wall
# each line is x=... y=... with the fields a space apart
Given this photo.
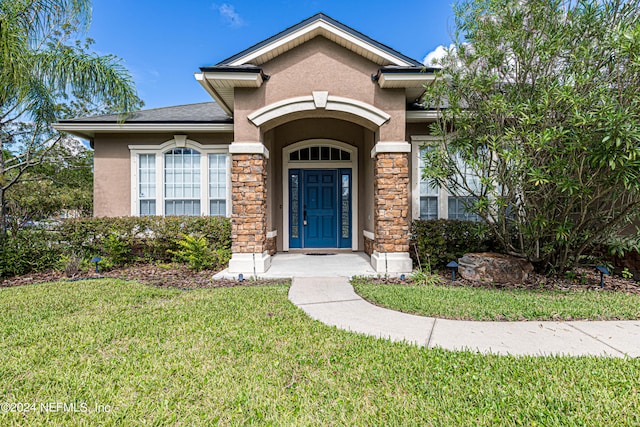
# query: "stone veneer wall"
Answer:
x=272 y=245
x=368 y=246
x=391 y=202
x=249 y=195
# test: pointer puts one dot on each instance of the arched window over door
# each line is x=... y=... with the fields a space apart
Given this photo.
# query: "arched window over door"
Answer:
x=319 y=153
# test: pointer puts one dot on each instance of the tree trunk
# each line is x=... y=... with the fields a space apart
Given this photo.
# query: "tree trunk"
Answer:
x=3 y=207
x=3 y=215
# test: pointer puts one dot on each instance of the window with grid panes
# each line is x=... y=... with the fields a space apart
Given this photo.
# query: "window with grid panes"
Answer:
x=182 y=182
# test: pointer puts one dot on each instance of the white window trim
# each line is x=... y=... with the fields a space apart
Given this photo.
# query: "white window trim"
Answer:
x=179 y=141
x=417 y=141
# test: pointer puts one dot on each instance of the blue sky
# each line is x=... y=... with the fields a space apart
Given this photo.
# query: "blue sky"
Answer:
x=163 y=43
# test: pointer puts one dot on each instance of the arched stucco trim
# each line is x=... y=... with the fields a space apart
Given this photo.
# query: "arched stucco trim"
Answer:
x=319 y=101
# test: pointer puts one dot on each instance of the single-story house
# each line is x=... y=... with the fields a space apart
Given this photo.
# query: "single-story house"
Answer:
x=311 y=141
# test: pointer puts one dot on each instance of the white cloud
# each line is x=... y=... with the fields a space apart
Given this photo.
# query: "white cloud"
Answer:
x=229 y=15
x=438 y=53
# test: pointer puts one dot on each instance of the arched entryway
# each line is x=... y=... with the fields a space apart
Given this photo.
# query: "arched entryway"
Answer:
x=361 y=196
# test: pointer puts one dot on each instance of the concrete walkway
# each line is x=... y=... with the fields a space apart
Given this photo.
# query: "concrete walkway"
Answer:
x=288 y=265
x=333 y=301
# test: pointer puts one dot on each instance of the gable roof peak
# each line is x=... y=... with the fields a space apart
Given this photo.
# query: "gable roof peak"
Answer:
x=320 y=24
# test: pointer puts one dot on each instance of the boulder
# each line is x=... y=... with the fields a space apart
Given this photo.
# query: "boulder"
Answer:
x=494 y=268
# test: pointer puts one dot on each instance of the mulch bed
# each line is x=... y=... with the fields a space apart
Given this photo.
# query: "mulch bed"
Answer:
x=179 y=276
x=166 y=276
x=586 y=279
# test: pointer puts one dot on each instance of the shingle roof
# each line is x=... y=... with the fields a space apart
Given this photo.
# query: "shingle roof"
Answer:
x=205 y=112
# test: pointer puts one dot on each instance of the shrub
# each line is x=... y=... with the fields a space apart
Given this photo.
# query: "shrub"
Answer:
x=438 y=241
x=71 y=264
x=117 y=250
x=28 y=250
x=198 y=254
x=125 y=240
x=119 y=241
x=424 y=276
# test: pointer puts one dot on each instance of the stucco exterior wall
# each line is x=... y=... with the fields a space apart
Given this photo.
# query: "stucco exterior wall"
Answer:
x=112 y=167
x=320 y=65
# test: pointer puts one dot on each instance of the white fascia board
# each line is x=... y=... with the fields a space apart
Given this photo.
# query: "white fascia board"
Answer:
x=397 y=80
x=200 y=78
x=235 y=79
x=90 y=129
x=419 y=116
x=320 y=25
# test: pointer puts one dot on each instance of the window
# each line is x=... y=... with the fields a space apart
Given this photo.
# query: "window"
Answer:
x=457 y=208
x=217 y=184
x=182 y=182
x=428 y=193
x=320 y=153
x=191 y=179
x=431 y=202
x=147 y=184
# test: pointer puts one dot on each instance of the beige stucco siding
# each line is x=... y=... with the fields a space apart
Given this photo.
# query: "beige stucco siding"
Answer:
x=112 y=178
x=320 y=65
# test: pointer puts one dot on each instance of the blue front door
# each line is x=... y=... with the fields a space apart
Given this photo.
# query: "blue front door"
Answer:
x=320 y=208
x=320 y=214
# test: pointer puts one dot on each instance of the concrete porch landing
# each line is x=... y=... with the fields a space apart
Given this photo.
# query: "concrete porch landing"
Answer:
x=289 y=265
x=333 y=301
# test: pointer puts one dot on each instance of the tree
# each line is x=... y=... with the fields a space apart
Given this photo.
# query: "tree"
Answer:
x=541 y=130
x=43 y=64
x=61 y=185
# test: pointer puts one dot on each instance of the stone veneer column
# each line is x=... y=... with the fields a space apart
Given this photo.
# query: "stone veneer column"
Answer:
x=249 y=208
x=391 y=208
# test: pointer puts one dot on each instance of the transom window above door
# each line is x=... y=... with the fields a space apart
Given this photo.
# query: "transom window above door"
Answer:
x=320 y=153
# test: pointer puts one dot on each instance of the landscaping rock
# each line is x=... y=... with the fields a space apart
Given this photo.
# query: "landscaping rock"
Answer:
x=494 y=268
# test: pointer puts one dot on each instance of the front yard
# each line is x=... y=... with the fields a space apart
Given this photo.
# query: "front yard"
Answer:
x=123 y=353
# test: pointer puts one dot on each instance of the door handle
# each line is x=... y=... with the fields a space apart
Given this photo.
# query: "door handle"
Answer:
x=304 y=216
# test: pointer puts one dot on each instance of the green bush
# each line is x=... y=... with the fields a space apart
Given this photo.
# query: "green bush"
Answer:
x=198 y=253
x=117 y=250
x=28 y=250
x=438 y=241
x=125 y=240
x=119 y=241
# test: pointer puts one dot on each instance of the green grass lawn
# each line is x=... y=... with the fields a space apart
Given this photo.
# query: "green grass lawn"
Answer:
x=245 y=355
x=453 y=302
